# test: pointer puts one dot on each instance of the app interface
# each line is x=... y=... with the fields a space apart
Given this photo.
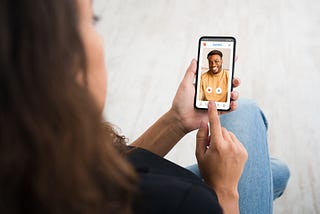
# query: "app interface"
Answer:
x=215 y=71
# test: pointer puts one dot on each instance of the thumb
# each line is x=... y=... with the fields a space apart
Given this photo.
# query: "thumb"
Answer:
x=191 y=71
x=202 y=140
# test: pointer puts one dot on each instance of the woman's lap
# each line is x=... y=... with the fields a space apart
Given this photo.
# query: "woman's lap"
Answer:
x=263 y=178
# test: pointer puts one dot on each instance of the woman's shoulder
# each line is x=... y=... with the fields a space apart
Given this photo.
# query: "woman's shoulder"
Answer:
x=168 y=188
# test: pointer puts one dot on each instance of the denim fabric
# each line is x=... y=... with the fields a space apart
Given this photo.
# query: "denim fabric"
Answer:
x=264 y=179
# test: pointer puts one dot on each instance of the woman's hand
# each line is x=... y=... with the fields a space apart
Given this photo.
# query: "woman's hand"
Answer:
x=182 y=105
x=221 y=158
x=182 y=118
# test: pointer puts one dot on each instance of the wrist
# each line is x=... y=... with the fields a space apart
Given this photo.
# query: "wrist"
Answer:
x=231 y=194
x=176 y=123
x=162 y=136
x=228 y=200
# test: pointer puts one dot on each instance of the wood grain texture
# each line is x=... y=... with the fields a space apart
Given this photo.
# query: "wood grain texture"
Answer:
x=149 y=45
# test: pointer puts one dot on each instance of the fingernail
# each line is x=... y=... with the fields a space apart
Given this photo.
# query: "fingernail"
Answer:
x=211 y=102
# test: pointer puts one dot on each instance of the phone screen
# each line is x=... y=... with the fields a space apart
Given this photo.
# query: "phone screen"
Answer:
x=215 y=71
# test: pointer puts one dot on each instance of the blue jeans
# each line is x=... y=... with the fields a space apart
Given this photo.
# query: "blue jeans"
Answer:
x=264 y=179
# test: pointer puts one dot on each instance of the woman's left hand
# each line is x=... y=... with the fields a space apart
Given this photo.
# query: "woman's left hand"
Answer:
x=183 y=107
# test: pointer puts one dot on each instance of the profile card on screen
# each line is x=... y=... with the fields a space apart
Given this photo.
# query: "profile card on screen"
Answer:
x=215 y=71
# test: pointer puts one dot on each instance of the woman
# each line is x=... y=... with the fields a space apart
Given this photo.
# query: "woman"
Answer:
x=55 y=155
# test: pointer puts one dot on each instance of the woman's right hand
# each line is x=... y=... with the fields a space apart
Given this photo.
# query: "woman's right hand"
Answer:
x=221 y=159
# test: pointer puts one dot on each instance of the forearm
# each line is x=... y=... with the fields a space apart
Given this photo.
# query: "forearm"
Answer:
x=229 y=201
x=162 y=136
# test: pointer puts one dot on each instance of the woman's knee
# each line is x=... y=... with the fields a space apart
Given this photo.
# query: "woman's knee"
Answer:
x=247 y=109
x=280 y=176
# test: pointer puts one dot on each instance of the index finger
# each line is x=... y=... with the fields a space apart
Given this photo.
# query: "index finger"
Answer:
x=215 y=126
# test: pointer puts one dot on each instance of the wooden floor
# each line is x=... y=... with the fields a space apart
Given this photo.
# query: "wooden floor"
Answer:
x=149 y=44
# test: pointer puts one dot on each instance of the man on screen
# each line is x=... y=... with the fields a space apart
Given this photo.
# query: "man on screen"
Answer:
x=214 y=82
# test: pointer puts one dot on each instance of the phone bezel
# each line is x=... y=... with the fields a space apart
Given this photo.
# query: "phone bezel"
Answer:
x=214 y=38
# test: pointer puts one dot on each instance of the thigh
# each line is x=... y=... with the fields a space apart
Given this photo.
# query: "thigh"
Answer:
x=279 y=170
x=255 y=188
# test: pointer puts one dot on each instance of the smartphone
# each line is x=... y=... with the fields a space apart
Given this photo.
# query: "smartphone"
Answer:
x=216 y=56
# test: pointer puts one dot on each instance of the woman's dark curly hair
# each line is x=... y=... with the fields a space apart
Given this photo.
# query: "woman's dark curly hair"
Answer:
x=55 y=156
